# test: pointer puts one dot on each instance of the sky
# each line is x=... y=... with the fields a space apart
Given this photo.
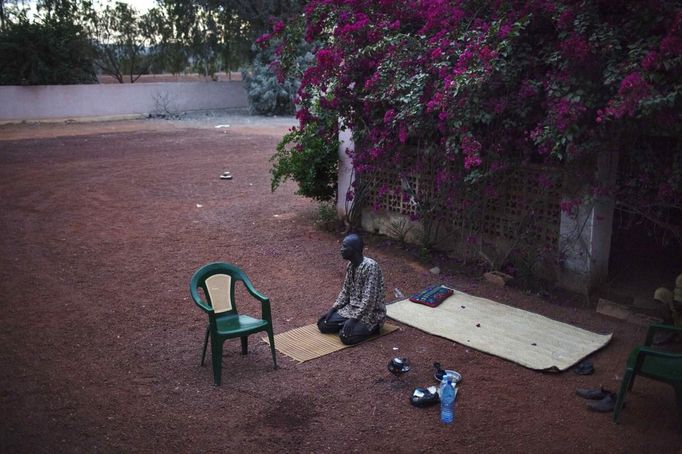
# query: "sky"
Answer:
x=140 y=5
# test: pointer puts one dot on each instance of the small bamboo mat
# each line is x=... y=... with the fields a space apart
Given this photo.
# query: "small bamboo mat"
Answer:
x=307 y=342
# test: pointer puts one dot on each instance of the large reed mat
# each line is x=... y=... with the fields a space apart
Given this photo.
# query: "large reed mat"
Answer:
x=307 y=342
x=520 y=336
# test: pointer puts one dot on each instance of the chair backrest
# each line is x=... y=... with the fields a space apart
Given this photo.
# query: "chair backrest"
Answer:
x=217 y=280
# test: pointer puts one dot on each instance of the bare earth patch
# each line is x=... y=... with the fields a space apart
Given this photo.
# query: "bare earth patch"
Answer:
x=104 y=223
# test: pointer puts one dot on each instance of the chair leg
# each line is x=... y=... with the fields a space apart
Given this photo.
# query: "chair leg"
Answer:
x=271 y=338
x=625 y=385
x=632 y=382
x=245 y=344
x=203 y=354
x=217 y=359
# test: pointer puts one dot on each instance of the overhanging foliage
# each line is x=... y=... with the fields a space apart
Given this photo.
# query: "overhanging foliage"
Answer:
x=481 y=87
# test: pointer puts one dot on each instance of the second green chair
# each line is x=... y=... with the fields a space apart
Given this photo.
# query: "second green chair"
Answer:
x=655 y=364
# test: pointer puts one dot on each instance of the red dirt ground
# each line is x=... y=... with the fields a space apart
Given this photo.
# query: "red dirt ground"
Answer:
x=100 y=343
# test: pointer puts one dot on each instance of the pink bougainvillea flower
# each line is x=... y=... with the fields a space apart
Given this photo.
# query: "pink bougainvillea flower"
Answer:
x=263 y=40
x=671 y=46
x=544 y=181
x=650 y=61
x=327 y=59
x=576 y=48
x=278 y=27
x=470 y=146
x=389 y=116
x=569 y=206
x=402 y=133
x=565 y=20
x=471 y=161
x=505 y=29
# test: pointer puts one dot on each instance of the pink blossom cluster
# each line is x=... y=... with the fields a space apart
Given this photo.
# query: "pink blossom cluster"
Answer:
x=486 y=86
x=633 y=88
x=471 y=149
x=570 y=205
x=576 y=48
x=566 y=112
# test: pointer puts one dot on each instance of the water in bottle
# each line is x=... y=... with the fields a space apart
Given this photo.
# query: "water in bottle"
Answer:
x=448 y=394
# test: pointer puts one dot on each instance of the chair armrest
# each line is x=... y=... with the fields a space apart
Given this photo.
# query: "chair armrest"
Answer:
x=659 y=327
x=264 y=300
x=198 y=301
x=646 y=351
x=253 y=292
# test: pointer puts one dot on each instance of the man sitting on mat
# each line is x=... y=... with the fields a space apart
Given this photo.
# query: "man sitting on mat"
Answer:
x=359 y=310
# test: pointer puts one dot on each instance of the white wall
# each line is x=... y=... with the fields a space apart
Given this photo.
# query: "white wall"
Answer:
x=68 y=101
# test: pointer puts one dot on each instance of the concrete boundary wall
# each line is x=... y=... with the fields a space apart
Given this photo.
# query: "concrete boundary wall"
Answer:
x=42 y=102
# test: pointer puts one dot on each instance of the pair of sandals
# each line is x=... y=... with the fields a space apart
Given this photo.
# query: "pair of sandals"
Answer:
x=603 y=400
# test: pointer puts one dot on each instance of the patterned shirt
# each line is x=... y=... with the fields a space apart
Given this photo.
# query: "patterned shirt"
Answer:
x=362 y=295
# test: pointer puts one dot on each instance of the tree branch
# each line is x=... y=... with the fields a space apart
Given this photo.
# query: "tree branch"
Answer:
x=674 y=229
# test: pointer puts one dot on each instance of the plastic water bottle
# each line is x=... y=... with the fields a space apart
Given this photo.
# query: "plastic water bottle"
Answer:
x=448 y=393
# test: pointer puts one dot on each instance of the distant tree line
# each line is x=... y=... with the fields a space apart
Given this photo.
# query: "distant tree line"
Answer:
x=73 y=41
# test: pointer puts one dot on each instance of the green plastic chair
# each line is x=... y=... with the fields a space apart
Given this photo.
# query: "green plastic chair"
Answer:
x=654 y=364
x=217 y=280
